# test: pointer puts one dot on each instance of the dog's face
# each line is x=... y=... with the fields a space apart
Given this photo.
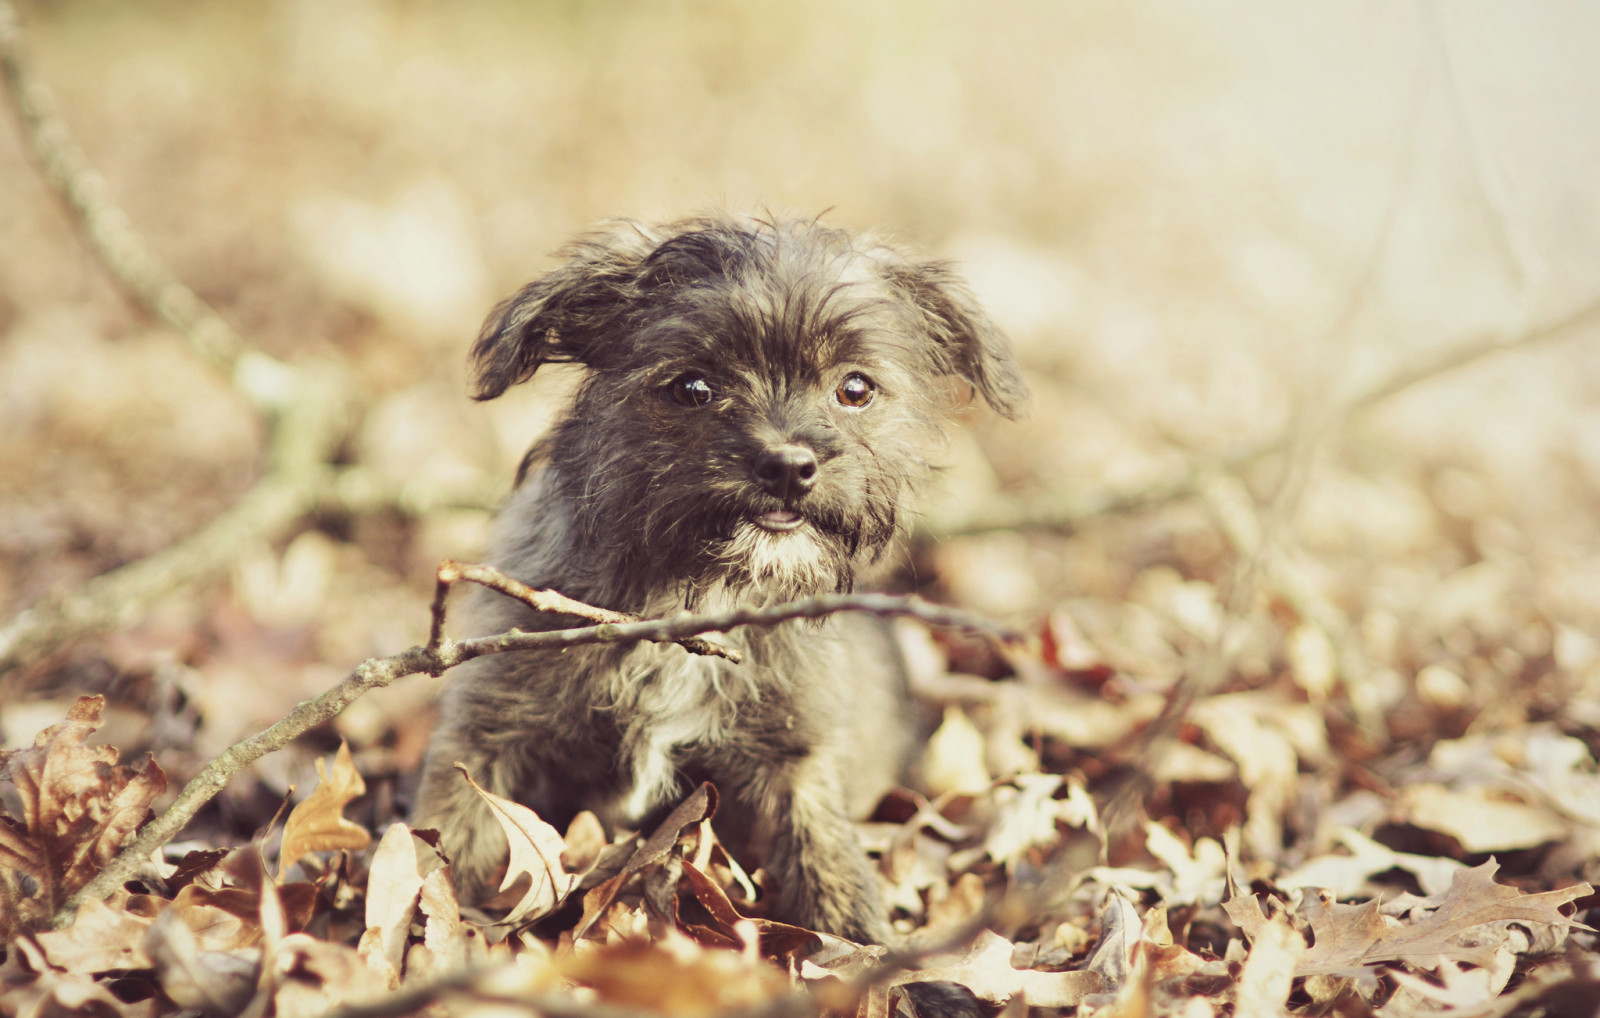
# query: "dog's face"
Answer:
x=758 y=401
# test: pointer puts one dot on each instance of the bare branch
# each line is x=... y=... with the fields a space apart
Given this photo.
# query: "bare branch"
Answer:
x=1487 y=175
x=117 y=243
x=551 y=602
x=442 y=653
x=1066 y=515
x=307 y=411
x=303 y=437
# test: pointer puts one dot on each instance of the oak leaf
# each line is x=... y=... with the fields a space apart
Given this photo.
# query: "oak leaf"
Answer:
x=987 y=971
x=79 y=808
x=1350 y=938
x=317 y=824
x=535 y=852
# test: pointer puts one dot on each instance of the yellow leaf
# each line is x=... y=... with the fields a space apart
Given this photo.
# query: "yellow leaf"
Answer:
x=318 y=824
x=535 y=851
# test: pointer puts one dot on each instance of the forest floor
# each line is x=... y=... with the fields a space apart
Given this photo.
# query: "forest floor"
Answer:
x=1304 y=719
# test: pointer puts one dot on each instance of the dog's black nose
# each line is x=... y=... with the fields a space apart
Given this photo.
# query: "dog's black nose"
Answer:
x=786 y=470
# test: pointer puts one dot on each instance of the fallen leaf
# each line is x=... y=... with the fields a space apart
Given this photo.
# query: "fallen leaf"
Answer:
x=535 y=852
x=1346 y=875
x=1480 y=818
x=1268 y=975
x=79 y=808
x=986 y=970
x=699 y=805
x=317 y=824
x=1349 y=938
x=30 y=986
x=674 y=976
x=953 y=760
x=310 y=976
x=210 y=981
x=394 y=883
x=100 y=939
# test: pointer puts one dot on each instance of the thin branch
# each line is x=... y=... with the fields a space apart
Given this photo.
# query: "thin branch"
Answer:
x=551 y=602
x=109 y=231
x=304 y=436
x=307 y=412
x=485 y=983
x=1486 y=173
x=1068 y=515
x=442 y=653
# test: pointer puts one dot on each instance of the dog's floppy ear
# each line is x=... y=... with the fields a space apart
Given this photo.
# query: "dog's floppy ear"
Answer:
x=561 y=315
x=967 y=344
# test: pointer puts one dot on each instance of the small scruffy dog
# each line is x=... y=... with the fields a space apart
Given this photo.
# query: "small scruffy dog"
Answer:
x=758 y=400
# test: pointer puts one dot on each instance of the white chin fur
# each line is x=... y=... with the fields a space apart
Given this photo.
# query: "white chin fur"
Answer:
x=791 y=563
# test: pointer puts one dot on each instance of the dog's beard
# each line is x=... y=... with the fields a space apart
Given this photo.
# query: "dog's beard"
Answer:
x=702 y=547
x=757 y=564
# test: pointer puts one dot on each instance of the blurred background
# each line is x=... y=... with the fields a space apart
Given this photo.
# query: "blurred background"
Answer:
x=1205 y=226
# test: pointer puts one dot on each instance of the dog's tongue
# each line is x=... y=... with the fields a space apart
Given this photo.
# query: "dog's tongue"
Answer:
x=780 y=518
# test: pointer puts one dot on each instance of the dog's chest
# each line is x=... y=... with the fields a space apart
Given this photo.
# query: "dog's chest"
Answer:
x=669 y=700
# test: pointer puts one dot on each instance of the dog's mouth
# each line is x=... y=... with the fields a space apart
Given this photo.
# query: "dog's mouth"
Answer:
x=779 y=520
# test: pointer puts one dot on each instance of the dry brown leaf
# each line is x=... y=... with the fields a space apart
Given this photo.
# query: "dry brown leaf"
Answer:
x=585 y=841
x=317 y=824
x=986 y=970
x=1268 y=975
x=1481 y=819
x=213 y=982
x=1347 y=875
x=674 y=976
x=535 y=852
x=1458 y=989
x=79 y=808
x=224 y=919
x=102 y=938
x=310 y=976
x=953 y=760
x=450 y=943
x=30 y=986
x=394 y=882
x=700 y=805
x=1028 y=814
x=1114 y=954
x=1349 y=938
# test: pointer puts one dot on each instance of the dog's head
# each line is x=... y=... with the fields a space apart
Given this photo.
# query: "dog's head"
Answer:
x=758 y=399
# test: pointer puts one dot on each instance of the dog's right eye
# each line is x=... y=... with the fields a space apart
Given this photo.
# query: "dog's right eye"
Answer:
x=689 y=390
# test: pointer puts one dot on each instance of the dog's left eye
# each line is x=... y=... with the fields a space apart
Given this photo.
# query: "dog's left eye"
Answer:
x=855 y=391
x=689 y=390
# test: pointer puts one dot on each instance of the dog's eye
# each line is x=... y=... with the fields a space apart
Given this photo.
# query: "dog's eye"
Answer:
x=689 y=390
x=855 y=391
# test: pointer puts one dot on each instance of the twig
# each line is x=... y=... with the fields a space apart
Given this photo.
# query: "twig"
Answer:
x=306 y=412
x=117 y=243
x=1254 y=536
x=441 y=653
x=482 y=984
x=547 y=601
x=1067 y=515
x=303 y=436
x=1488 y=177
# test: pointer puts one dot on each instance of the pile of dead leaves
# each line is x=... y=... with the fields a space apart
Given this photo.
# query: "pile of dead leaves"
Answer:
x=668 y=923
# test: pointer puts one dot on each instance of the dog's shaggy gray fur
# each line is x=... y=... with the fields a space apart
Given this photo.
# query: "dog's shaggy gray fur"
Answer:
x=756 y=410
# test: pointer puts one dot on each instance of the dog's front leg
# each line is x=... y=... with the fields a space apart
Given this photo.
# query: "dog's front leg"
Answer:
x=825 y=880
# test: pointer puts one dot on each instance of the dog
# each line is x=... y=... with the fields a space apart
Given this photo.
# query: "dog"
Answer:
x=758 y=404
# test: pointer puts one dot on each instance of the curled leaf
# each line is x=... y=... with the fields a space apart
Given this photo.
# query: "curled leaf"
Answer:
x=317 y=824
x=535 y=852
x=79 y=808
